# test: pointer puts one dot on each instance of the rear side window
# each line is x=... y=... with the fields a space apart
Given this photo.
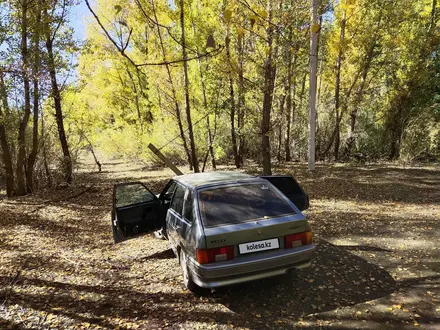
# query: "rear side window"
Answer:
x=177 y=202
x=241 y=203
x=188 y=206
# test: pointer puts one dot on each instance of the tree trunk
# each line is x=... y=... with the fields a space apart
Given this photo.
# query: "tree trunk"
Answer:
x=314 y=33
x=318 y=97
x=341 y=114
x=232 y=120
x=136 y=100
x=36 y=100
x=398 y=116
x=67 y=160
x=396 y=128
x=280 y=128
x=289 y=112
x=182 y=135
x=232 y=102
x=269 y=82
x=43 y=146
x=95 y=158
x=337 y=133
x=394 y=149
x=288 y=92
x=395 y=122
x=241 y=101
x=351 y=139
x=208 y=125
x=337 y=138
x=21 y=157
x=301 y=94
x=173 y=92
x=233 y=109
x=433 y=16
x=6 y=151
x=211 y=142
x=205 y=105
x=33 y=155
x=7 y=161
x=194 y=160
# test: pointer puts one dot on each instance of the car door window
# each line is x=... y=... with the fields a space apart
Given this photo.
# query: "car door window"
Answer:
x=177 y=202
x=132 y=194
x=136 y=210
x=167 y=194
x=188 y=206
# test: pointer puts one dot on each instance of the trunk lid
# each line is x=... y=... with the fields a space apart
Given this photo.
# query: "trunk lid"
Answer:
x=238 y=235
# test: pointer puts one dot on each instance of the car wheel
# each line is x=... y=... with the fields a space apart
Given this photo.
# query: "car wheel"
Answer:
x=187 y=281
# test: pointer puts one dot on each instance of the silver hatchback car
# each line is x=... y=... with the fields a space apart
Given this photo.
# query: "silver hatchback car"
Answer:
x=224 y=227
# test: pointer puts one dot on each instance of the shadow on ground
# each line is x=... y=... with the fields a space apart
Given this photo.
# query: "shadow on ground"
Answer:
x=336 y=279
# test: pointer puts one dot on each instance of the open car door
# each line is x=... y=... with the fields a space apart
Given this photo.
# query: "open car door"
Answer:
x=136 y=210
x=291 y=188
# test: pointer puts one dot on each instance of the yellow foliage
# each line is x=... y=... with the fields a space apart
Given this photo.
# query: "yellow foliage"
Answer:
x=227 y=15
x=264 y=14
x=315 y=28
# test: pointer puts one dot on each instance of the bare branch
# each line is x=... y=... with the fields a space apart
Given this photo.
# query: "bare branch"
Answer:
x=128 y=39
x=155 y=22
x=61 y=20
x=109 y=36
x=121 y=49
x=211 y=53
x=248 y=6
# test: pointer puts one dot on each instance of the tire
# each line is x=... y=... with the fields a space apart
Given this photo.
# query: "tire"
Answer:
x=187 y=281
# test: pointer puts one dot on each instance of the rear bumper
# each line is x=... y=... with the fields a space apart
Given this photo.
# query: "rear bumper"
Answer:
x=250 y=268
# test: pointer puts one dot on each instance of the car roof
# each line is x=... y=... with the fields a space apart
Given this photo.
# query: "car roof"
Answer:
x=210 y=178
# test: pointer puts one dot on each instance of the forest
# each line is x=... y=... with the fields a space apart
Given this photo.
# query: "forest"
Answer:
x=215 y=82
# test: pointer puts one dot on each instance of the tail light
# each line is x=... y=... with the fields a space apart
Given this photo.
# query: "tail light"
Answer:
x=300 y=239
x=207 y=256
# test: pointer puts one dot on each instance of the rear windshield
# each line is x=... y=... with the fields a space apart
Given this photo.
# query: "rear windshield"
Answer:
x=241 y=203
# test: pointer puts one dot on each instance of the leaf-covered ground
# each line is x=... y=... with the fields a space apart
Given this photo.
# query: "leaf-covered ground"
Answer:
x=377 y=264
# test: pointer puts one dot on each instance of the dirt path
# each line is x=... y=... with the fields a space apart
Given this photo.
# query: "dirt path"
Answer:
x=377 y=264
